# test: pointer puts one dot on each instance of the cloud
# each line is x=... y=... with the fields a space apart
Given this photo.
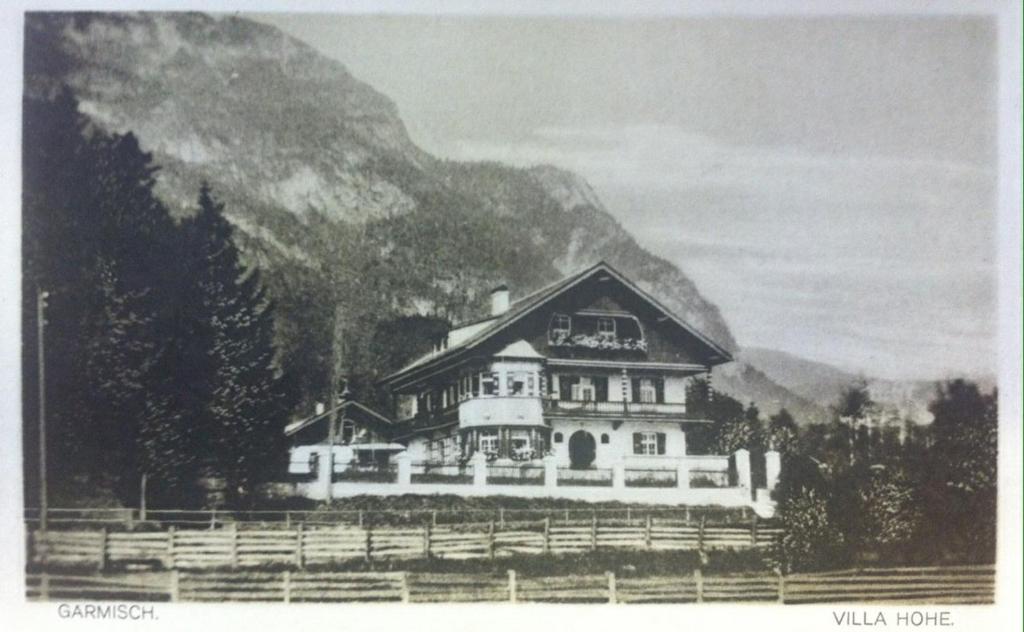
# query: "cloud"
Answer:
x=880 y=263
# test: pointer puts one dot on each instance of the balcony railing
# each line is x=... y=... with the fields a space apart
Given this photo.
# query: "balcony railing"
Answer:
x=614 y=408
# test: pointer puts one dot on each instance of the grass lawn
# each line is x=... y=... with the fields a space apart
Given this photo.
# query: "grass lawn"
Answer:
x=622 y=563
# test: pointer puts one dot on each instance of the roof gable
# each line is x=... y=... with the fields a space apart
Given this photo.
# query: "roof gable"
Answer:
x=475 y=335
x=346 y=409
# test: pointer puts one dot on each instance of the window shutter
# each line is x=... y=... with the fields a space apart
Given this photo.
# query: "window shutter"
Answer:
x=637 y=443
x=659 y=390
x=661 y=443
x=636 y=390
x=600 y=387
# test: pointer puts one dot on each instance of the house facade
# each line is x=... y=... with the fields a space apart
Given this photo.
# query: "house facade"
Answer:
x=591 y=370
x=580 y=390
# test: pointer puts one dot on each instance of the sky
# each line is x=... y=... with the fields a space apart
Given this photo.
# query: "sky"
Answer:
x=829 y=183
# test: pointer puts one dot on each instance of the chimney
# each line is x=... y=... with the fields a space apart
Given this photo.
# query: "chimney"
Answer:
x=499 y=300
x=319 y=408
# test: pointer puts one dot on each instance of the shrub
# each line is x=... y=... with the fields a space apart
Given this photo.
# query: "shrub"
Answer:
x=890 y=510
x=810 y=540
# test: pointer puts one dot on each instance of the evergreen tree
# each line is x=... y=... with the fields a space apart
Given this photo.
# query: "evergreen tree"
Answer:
x=233 y=386
x=100 y=242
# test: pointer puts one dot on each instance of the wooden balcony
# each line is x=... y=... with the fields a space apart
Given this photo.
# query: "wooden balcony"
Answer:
x=573 y=408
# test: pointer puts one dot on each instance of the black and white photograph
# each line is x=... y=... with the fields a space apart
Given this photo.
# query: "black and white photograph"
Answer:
x=700 y=305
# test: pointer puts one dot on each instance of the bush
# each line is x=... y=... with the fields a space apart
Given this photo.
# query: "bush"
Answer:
x=810 y=540
x=890 y=511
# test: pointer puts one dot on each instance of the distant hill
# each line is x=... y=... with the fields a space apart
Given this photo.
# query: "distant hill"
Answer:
x=822 y=383
x=748 y=383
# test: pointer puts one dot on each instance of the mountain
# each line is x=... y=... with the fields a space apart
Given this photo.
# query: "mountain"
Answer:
x=823 y=383
x=329 y=195
x=747 y=383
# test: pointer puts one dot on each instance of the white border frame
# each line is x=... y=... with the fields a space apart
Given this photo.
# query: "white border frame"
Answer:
x=1006 y=614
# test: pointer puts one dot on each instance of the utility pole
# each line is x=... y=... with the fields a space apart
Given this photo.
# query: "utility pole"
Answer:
x=142 y=498
x=337 y=353
x=41 y=297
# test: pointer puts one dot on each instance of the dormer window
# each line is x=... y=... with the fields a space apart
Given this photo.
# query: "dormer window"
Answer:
x=606 y=327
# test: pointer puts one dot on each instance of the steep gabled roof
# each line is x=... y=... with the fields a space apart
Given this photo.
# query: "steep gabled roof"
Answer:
x=341 y=409
x=478 y=332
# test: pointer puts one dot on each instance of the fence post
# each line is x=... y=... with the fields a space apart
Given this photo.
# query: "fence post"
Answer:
x=629 y=516
x=689 y=521
x=512 y=588
x=234 y=545
x=406 y=597
x=369 y=544
x=593 y=532
x=782 y=585
x=300 y=560
x=566 y=516
x=433 y=518
x=490 y=540
x=288 y=519
x=612 y=597
x=360 y=518
x=103 y=549
x=286 y=580
x=44 y=586
x=501 y=518
x=547 y=535
x=175 y=588
x=698 y=579
x=700 y=533
x=130 y=516
x=753 y=530
x=170 y=547
x=647 y=532
x=426 y=541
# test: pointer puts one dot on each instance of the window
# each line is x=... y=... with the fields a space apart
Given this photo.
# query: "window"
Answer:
x=649 y=443
x=314 y=463
x=521 y=384
x=348 y=431
x=560 y=323
x=488 y=442
x=648 y=392
x=584 y=391
x=558 y=437
x=489 y=383
x=606 y=327
x=605 y=438
x=521 y=448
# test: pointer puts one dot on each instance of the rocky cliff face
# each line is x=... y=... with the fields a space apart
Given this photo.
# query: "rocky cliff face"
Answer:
x=279 y=130
x=300 y=150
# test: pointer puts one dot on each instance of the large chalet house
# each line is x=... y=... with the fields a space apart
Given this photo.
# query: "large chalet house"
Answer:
x=578 y=390
x=591 y=370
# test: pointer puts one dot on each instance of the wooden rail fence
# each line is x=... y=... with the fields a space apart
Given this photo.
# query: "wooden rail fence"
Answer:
x=927 y=585
x=301 y=546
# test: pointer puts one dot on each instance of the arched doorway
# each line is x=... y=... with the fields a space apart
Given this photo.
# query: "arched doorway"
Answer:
x=582 y=449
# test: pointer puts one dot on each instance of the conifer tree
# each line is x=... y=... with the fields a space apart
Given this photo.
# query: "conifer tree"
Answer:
x=100 y=242
x=232 y=373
